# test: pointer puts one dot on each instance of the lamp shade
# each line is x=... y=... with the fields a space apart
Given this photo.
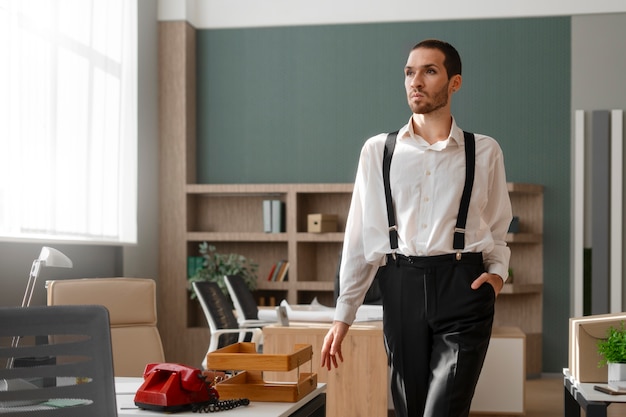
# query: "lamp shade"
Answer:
x=52 y=257
x=48 y=257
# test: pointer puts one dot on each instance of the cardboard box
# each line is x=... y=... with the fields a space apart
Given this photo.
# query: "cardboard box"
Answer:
x=322 y=223
x=584 y=335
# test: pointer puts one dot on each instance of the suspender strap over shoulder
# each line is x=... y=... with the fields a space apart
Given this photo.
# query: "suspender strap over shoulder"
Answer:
x=459 y=231
x=470 y=166
x=390 y=145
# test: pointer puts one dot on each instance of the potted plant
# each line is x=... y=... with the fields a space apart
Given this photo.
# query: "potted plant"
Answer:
x=216 y=265
x=613 y=352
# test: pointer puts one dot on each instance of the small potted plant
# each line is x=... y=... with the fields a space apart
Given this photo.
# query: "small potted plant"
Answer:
x=613 y=352
x=216 y=265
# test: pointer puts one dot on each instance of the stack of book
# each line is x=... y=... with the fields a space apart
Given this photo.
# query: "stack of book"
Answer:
x=273 y=216
x=278 y=273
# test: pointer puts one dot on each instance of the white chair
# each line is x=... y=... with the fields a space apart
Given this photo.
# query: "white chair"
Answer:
x=225 y=329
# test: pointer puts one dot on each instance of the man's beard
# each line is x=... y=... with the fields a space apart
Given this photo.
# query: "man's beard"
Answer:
x=439 y=100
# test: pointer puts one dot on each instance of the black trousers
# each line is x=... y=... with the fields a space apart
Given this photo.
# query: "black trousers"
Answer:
x=437 y=331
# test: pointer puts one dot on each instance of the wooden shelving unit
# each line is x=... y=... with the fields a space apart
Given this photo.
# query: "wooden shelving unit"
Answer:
x=520 y=303
x=231 y=218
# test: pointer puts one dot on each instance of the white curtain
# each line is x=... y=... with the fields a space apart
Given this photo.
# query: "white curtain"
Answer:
x=68 y=130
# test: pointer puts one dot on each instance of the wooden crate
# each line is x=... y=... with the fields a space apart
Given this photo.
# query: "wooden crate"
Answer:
x=250 y=384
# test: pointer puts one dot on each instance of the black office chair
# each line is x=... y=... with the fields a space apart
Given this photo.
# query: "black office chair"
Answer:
x=244 y=302
x=58 y=362
x=225 y=329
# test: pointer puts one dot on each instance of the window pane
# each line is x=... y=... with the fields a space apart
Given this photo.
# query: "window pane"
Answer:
x=68 y=120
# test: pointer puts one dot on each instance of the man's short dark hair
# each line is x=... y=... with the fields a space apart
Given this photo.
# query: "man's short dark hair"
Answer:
x=452 y=60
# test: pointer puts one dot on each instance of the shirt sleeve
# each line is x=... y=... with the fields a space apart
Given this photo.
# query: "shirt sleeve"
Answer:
x=498 y=215
x=355 y=273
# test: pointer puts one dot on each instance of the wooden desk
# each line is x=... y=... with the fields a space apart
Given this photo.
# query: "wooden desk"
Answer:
x=311 y=405
x=364 y=370
x=360 y=385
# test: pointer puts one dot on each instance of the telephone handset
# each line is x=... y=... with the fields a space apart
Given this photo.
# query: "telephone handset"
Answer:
x=173 y=387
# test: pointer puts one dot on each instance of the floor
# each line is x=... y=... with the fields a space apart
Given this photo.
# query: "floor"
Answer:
x=544 y=398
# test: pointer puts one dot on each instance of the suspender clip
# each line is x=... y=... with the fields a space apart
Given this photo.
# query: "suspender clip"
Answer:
x=395 y=257
x=458 y=255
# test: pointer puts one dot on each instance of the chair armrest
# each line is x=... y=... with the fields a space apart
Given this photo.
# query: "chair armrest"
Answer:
x=255 y=323
x=215 y=336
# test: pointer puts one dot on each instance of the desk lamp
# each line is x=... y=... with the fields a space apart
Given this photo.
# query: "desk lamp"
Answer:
x=48 y=257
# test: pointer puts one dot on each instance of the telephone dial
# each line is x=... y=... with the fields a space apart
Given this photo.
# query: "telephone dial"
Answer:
x=172 y=387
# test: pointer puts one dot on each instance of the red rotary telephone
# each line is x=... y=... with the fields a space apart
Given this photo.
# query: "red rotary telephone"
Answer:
x=172 y=387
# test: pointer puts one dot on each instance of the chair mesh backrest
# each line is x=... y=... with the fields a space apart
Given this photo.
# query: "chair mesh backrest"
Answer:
x=217 y=309
x=62 y=355
x=244 y=297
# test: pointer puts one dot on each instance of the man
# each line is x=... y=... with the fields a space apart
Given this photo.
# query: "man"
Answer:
x=441 y=263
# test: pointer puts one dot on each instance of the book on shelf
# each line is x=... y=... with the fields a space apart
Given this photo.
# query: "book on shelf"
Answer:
x=273 y=216
x=279 y=270
x=267 y=216
x=282 y=274
x=278 y=216
x=194 y=264
x=271 y=274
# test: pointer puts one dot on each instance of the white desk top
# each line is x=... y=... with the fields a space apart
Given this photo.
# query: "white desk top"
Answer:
x=125 y=389
x=587 y=390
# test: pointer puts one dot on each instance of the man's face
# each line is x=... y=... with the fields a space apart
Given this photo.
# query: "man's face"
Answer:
x=426 y=81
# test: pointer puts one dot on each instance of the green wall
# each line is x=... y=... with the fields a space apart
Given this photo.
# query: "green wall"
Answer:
x=295 y=104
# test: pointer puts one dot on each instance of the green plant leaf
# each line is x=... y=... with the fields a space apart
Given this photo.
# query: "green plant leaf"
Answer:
x=216 y=265
x=613 y=348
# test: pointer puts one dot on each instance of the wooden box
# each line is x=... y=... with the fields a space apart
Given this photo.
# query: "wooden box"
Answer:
x=321 y=223
x=250 y=384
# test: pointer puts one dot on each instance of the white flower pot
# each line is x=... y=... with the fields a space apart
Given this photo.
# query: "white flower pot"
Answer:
x=617 y=376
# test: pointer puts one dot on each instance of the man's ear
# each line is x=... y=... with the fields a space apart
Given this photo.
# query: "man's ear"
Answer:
x=455 y=82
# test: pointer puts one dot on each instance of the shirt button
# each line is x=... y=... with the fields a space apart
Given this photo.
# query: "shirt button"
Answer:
x=428 y=172
x=426 y=199
x=424 y=226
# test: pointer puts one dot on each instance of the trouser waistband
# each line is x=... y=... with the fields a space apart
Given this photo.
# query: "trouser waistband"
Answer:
x=473 y=258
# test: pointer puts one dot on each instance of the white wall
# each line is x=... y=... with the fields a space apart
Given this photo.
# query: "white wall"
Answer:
x=211 y=14
x=141 y=260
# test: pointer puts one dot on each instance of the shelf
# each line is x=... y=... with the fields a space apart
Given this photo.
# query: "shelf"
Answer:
x=521 y=289
x=272 y=285
x=518 y=187
x=236 y=237
x=524 y=238
x=319 y=237
x=316 y=286
x=227 y=190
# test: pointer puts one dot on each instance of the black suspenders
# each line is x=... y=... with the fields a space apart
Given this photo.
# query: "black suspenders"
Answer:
x=459 y=230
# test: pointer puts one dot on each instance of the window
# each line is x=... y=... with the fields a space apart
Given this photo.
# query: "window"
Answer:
x=68 y=129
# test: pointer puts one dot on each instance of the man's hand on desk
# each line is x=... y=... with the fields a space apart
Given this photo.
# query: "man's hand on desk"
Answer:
x=331 y=349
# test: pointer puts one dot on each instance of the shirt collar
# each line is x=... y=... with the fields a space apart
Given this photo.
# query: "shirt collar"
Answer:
x=455 y=136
